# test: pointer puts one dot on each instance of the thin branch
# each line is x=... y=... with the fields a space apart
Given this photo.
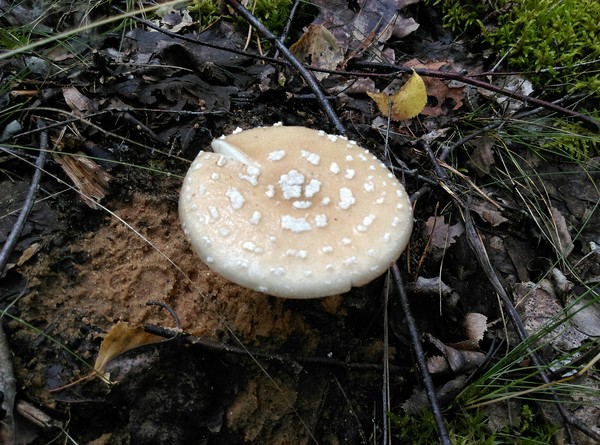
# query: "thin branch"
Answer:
x=290 y=20
x=481 y=254
x=304 y=72
x=293 y=361
x=449 y=75
x=27 y=205
x=448 y=149
x=8 y=385
x=418 y=348
x=8 y=389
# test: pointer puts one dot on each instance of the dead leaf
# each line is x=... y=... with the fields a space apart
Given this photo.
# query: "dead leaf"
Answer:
x=443 y=94
x=482 y=157
x=88 y=177
x=363 y=32
x=586 y=316
x=460 y=361
x=433 y=286
x=475 y=325
x=538 y=305
x=78 y=102
x=489 y=213
x=406 y=102
x=122 y=338
x=438 y=89
x=418 y=401
x=28 y=253
x=318 y=48
x=357 y=85
x=437 y=364
x=515 y=84
x=560 y=233
x=441 y=234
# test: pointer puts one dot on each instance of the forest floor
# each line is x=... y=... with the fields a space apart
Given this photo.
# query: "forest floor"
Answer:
x=122 y=112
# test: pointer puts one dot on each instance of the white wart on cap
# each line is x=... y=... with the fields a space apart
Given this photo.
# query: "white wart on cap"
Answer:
x=294 y=212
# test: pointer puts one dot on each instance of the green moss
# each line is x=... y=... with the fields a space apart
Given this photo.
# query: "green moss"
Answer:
x=272 y=13
x=556 y=40
x=206 y=12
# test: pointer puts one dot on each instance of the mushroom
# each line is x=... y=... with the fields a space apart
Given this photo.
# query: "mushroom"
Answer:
x=294 y=212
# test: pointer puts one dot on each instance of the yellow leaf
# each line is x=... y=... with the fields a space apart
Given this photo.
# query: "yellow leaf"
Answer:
x=407 y=102
x=122 y=338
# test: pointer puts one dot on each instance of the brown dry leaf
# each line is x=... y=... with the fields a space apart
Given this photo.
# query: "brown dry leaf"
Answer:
x=538 y=305
x=122 y=338
x=78 y=102
x=438 y=89
x=459 y=360
x=489 y=213
x=406 y=102
x=28 y=253
x=89 y=178
x=475 y=325
x=482 y=157
x=560 y=232
x=318 y=48
x=441 y=234
x=442 y=93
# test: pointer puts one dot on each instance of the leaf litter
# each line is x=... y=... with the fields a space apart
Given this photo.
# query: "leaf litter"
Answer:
x=94 y=274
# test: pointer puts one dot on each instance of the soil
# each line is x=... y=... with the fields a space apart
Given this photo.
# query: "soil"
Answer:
x=83 y=287
x=233 y=365
x=85 y=284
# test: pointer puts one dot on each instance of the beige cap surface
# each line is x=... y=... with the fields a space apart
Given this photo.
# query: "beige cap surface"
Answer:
x=294 y=212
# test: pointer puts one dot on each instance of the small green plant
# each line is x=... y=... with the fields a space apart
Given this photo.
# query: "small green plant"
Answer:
x=572 y=142
x=511 y=379
x=557 y=40
x=469 y=427
x=13 y=37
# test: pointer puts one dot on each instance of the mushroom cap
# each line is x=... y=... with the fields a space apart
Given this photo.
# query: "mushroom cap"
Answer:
x=294 y=212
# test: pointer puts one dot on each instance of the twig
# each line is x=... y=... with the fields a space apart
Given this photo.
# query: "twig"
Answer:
x=448 y=149
x=8 y=390
x=169 y=309
x=352 y=411
x=385 y=389
x=591 y=122
x=289 y=22
x=418 y=348
x=292 y=360
x=28 y=204
x=478 y=248
x=304 y=72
